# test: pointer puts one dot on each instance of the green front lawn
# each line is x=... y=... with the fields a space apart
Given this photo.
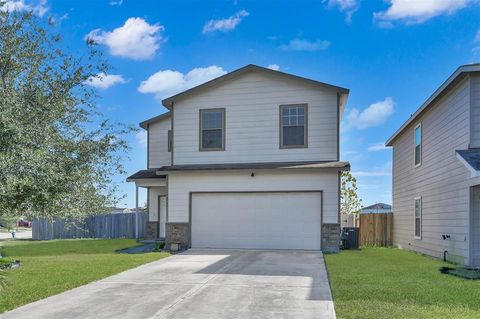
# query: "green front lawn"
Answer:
x=393 y=283
x=50 y=267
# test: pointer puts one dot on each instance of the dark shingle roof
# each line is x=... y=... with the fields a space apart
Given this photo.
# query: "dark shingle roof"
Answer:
x=378 y=206
x=145 y=173
x=472 y=157
x=157 y=172
x=272 y=165
x=145 y=123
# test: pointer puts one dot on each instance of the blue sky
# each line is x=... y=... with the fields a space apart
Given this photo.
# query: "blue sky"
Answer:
x=391 y=54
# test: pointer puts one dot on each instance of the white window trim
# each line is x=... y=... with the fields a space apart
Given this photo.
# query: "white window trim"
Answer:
x=414 y=217
x=305 y=126
x=419 y=125
x=200 y=146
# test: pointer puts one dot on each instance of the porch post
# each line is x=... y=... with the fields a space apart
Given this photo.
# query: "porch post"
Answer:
x=136 y=211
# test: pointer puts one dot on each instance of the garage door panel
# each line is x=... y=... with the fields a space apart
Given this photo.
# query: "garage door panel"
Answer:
x=286 y=220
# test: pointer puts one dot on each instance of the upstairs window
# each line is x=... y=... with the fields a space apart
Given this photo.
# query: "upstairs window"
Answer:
x=212 y=130
x=418 y=145
x=293 y=126
x=170 y=140
x=418 y=218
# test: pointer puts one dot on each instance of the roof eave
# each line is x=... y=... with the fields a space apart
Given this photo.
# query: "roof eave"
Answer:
x=157 y=118
x=168 y=102
x=452 y=79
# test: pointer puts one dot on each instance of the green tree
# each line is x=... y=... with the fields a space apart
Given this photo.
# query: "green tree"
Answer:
x=57 y=152
x=350 y=203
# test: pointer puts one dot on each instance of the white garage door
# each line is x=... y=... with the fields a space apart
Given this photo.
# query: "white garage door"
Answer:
x=286 y=220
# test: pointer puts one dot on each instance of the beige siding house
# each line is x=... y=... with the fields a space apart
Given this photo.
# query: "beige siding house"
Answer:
x=251 y=161
x=436 y=156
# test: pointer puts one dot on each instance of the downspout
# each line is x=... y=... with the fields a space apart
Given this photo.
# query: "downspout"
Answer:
x=136 y=211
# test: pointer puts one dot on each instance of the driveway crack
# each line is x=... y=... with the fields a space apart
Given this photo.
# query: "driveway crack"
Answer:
x=162 y=312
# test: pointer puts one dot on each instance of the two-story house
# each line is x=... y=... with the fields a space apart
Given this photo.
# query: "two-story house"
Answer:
x=247 y=160
x=436 y=163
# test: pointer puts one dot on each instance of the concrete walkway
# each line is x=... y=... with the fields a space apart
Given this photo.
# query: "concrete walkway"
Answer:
x=21 y=234
x=205 y=284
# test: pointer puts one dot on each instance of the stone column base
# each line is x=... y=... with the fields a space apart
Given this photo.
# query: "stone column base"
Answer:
x=331 y=238
x=177 y=233
x=152 y=231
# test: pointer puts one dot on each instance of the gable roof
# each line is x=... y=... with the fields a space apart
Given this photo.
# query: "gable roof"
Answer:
x=456 y=76
x=168 y=102
x=157 y=118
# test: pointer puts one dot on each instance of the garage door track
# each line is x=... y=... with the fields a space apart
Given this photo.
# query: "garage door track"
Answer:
x=205 y=284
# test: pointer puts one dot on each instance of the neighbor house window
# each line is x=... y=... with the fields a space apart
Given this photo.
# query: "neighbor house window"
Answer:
x=170 y=141
x=418 y=218
x=212 y=130
x=293 y=126
x=418 y=145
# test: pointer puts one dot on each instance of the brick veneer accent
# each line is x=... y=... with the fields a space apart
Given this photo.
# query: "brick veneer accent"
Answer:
x=177 y=233
x=152 y=230
x=331 y=238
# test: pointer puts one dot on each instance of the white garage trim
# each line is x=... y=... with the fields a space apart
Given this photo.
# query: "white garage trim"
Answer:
x=254 y=192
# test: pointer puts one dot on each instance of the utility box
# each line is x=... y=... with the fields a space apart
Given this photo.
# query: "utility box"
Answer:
x=350 y=238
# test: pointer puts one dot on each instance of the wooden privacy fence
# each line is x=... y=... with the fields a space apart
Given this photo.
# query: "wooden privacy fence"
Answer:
x=95 y=226
x=376 y=229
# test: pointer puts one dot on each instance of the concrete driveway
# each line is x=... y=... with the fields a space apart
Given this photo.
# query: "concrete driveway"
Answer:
x=205 y=284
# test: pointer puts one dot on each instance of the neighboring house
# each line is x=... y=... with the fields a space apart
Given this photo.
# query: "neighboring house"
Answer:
x=247 y=160
x=377 y=208
x=120 y=210
x=436 y=183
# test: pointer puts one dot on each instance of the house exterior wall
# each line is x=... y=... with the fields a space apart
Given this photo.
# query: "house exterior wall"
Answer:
x=158 y=154
x=441 y=180
x=475 y=111
x=252 y=115
x=181 y=184
x=475 y=226
x=153 y=193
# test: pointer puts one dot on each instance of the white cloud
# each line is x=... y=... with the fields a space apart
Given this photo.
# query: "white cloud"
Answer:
x=136 y=39
x=142 y=138
x=225 y=25
x=383 y=170
x=104 y=81
x=166 y=83
x=476 y=48
x=371 y=173
x=275 y=67
x=116 y=2
x=417 y=11
x=374 y=115
x=37 y=7
x=380 y=146
x=347 y=6
x=305 y=45
x=476 y=55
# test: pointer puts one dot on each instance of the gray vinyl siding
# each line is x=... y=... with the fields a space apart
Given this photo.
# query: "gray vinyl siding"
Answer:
x=475 y=111
x=441 y=179
x=158 y=154
x=252 y=126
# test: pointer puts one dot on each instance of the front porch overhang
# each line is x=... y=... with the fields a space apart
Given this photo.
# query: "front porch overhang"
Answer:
x=471 y=159
x=148 y=178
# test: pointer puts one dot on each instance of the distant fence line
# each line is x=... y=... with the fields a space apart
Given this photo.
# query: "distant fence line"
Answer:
x=376 y=229
x=95 y=226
